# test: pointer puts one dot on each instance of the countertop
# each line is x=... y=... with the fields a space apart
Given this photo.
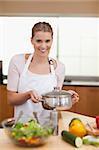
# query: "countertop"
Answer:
x=73 y=83
x=54 y=142
x=82 y=83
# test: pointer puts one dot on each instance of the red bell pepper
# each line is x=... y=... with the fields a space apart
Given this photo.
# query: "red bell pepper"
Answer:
x=97 y=121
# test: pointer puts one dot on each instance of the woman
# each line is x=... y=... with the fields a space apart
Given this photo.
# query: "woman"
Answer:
x=30 y=76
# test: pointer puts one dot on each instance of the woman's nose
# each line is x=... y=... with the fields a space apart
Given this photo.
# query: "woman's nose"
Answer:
x=43 y=45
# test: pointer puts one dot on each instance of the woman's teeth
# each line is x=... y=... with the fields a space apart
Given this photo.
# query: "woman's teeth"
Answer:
x=43 y=50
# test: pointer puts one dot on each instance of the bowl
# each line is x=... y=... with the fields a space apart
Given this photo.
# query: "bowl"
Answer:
x=28 y=134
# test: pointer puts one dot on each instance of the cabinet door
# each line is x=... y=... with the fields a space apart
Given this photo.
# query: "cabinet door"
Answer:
x=6 y=110
x=89 y=100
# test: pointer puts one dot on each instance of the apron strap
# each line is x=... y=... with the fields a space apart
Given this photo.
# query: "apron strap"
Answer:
x=51 y=63
x=27 y=63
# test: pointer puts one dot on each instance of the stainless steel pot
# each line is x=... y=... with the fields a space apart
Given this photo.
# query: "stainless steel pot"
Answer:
x=57 y=99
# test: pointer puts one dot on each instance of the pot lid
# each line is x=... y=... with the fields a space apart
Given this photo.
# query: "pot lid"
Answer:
x=57 y=93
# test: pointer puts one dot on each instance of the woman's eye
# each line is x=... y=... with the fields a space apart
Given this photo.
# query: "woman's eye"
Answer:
x=47 y=41
x=38 y=41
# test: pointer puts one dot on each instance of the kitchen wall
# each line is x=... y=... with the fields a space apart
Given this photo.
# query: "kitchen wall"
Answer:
x=78 y=45
x=77 y=57
x=50 y=8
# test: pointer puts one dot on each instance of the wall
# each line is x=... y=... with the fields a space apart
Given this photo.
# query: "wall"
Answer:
x=54 y=7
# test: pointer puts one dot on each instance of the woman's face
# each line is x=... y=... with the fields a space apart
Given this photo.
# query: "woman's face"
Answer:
x=42 y=42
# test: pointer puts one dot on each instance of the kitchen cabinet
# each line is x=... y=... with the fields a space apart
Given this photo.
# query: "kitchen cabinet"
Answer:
x=6 y=110
x=89 y=99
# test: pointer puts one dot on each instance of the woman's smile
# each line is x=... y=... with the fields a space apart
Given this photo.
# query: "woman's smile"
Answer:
x=42 y=42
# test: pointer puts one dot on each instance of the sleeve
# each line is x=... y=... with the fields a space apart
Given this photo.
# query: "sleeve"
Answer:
x=60 y=72
x=13 y=75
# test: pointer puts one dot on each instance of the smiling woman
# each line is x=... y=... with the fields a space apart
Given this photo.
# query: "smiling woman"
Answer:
x=29 y=79
x=26 y=77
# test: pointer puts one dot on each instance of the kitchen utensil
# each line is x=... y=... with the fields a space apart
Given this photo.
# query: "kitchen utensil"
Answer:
x=92 y=129
x=18 y=118
x=57 y=99
x=54 y=121
x=35 y=115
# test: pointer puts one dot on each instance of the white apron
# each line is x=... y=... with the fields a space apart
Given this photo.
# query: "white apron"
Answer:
x=42 y=84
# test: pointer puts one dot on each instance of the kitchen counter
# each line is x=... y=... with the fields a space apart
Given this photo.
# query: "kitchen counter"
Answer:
x=54 y=142
x=73 y=83
x=92 y=81
x=82 y=83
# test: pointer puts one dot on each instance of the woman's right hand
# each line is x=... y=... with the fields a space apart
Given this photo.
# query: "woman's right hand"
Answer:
x=35 y=97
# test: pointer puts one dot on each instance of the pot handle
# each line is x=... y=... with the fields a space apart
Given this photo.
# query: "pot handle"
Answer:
x=43 y=98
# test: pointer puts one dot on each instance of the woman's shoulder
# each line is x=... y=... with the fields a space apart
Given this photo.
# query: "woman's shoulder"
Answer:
x=20 y=58
x=18 y=62
x=60 y=64
x=60 y=68
x=16 y=58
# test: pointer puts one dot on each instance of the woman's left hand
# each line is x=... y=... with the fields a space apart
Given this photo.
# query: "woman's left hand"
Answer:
x=75 y=96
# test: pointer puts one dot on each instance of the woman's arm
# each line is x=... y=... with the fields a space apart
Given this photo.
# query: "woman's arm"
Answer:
x=15 y=98
x=14 y=70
